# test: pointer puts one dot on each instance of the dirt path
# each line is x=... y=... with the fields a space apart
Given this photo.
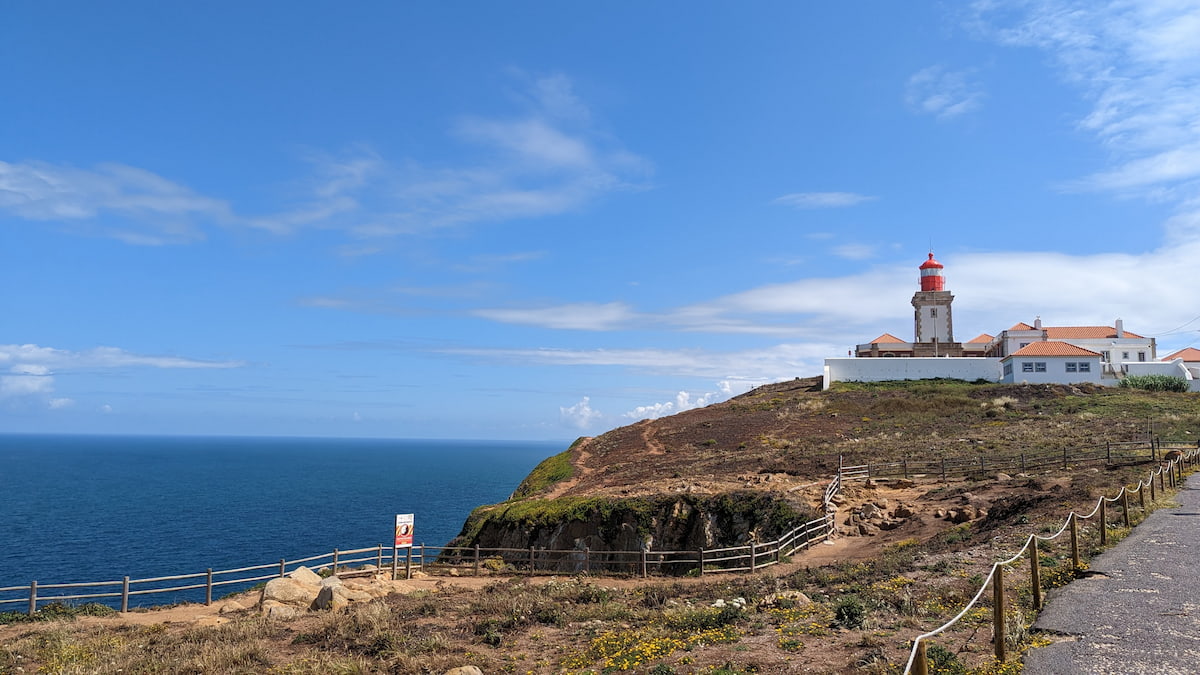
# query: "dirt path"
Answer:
x=579 y=459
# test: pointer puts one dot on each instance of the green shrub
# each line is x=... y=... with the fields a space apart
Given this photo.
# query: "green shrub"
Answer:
x=943 y=661
x=1155 y=383
x=849 y=612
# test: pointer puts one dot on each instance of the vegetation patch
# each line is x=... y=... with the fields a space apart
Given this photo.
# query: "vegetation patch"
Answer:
x=550 y=471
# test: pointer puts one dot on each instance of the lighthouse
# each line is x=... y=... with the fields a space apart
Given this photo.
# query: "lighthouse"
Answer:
x=933 y=324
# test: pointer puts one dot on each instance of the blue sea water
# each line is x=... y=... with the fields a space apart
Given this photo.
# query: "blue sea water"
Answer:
x=97 y=508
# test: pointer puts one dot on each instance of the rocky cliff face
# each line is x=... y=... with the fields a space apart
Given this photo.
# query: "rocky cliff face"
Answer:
x=601 y=524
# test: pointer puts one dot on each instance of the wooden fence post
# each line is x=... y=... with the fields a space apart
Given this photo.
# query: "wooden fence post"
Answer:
x=1162 y=479
x=1107 y=452
x=1035 y=574
x=408 y=562
x=644 y=571
x=1142 y=497
x=943 y=469
x=587 y=560
x=1074 y=540
x=998 y=612
x=1103 y=521
x=531 y=561
x=1064 y=458
x=335 y=562
x=701 y=573
x=283 y=567
x=379 y=558
x=904 y=461
x=33 y=597
x=208 y=588
x=1125 y=507
x=476 y=559
x=421 y=561
x=395 y=562
x=125 y=595
x=920 y=663
x=1022 y=462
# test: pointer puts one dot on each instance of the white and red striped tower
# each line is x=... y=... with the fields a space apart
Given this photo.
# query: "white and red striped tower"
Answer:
x=933 y=324
x=931 y=275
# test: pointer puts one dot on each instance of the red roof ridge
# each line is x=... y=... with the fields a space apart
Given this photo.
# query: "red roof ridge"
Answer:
x=1052 y=348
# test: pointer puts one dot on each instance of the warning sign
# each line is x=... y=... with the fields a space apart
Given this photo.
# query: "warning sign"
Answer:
x=404 y=530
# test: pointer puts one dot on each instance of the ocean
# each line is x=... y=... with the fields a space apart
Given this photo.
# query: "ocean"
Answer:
x=97 y=508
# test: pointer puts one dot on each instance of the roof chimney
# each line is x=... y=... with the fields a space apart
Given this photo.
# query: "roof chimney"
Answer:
x=1037 y=323
x=1120 y=329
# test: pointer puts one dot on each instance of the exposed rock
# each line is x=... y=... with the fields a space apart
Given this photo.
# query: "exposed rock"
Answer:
x=784 y=598
x=939 y=514
x=890 y=524
x=328 y=598
x=305 y=575
x=870 y=511
x=882 y=504
x=230 y=607
x=867 y=529
x=290 y=592
x=276 y=610
x=1003 y=476
x=464 y=670
x=903 y=511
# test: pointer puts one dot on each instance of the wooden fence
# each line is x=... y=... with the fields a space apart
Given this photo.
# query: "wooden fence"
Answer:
x=430 y=559
x=1169 y=474
x=1112 y=453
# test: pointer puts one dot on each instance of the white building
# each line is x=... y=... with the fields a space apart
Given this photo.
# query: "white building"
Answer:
x=1023 y=353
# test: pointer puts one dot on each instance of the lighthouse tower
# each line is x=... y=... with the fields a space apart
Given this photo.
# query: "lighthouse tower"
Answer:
x=933 y=322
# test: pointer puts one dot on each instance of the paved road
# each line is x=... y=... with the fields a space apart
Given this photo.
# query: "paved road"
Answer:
x=1142 y=613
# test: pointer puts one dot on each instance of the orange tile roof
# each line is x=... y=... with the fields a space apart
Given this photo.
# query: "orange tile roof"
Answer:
x=981 y=338
x=1052 y=349
x=1021 y=326
x=1188 y=354
x=1084 y=332
x=887 y=338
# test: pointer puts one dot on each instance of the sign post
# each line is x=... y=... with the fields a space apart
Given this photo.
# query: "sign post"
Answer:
x=404 y=539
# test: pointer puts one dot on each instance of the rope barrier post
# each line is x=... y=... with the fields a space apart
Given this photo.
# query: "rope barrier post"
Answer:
x=1152 y=496
x=1125 y=507
x=33 y=597
x=998 y=612
x=1035 y=574
x=920 y=664
x=476 y=559
x=1074 y=540
x=1141 y=498
x=1104 y=521
x=1162 y=479
x=125 y=595
x=208 y=588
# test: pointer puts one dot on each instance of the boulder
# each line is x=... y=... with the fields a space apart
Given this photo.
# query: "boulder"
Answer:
x=276 y=610
x=464 y=670
x=867 y=530
x=290 y=592
x=328 y=598
x=870 y=511
x=305 y=576
x=903 y=511
x=230 y=606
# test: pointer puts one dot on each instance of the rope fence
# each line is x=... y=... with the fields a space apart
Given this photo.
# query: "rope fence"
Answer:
x=1169 y=474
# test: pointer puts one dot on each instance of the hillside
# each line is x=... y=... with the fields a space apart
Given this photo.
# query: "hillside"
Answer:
x=782 y=442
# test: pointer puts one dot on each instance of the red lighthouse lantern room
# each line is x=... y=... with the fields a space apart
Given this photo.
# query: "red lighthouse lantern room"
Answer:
x=931 y=275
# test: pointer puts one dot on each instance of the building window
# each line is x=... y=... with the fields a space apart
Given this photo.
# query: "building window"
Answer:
x=1141 y=356
x=1026 y=366
x=1072 y=367
x=1107 y=356
x=1008 y=369
x=1124 y=356
x=1085 y=367
x=1039 y=366
x=933 y=312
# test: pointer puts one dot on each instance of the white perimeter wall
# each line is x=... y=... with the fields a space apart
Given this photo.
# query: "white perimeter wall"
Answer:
x=880 y=369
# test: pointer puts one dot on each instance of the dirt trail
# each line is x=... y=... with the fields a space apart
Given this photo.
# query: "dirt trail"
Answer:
x=579 y=459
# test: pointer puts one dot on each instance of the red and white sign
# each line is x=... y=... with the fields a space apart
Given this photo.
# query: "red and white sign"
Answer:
x=404 y=530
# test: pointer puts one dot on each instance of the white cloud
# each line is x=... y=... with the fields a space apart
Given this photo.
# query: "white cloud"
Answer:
x=822 y=200
x=580 y=316
x=550 y=159
x=687 y=401
x=581 y=415
x=119 y=201
x=33 y=368
x=943 y=93
x=854 y=251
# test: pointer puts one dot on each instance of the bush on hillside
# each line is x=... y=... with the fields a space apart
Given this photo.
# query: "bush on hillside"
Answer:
x=1155 y=383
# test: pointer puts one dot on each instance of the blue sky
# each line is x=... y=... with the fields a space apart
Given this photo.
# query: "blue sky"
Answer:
x=549 y=219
